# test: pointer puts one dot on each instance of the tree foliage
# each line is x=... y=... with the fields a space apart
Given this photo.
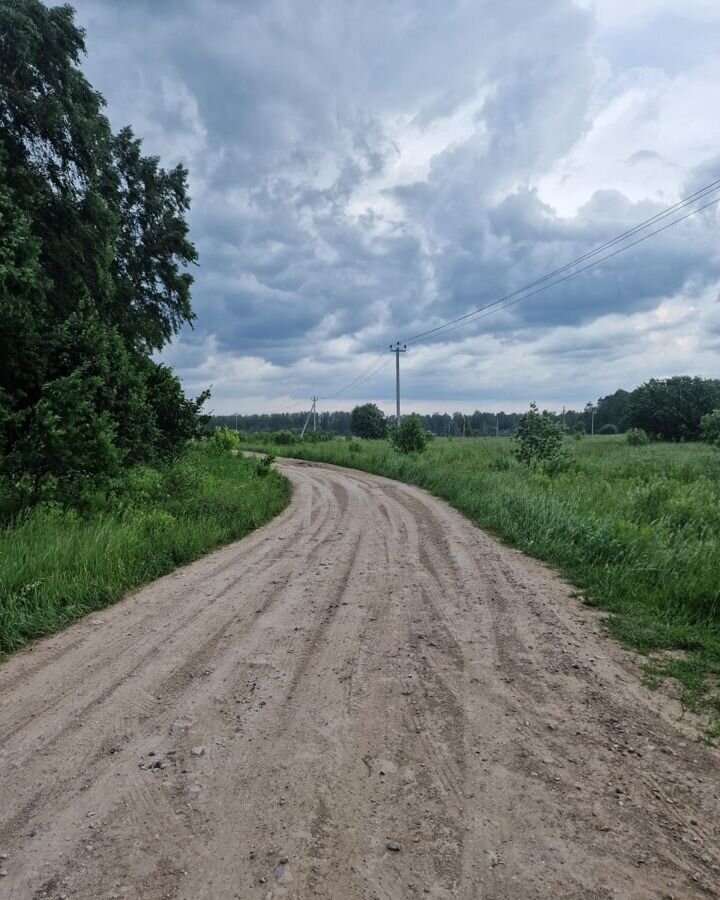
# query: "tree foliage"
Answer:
x=539 y=441
x=710 y=428
x=368 y=421
x=410 y=436
x=612 y=410
x=93 y=255
x=671 y=409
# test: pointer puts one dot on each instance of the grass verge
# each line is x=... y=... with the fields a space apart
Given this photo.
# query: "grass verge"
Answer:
x=636 y=528
x=57 y=564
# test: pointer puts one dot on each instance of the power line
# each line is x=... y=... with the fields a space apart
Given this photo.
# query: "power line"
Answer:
x=494 y=307
x=676 y=207
x=546 y=281
x=367 y=373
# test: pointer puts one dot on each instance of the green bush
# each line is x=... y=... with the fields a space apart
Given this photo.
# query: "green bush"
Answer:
x=224 y=440
x=636 y=437
x=608 y=429
x=539 y=442
x=283 y=438
x=410 y=436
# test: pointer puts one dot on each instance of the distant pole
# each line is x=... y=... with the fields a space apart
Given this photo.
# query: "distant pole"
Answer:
x=314 y=412
x=592 y=422
x=563 y=417
x=311 y=413
x=397 y=350
x=236 y=418
x=497 y=425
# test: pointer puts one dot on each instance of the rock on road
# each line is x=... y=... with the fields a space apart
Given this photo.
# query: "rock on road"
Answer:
x=366 y=698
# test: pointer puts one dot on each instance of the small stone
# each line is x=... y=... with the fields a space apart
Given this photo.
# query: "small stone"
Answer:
x=394 y=846
x=3 y=873
x=198 y=751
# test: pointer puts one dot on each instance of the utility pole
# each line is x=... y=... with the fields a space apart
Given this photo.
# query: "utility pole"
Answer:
x=592 y=423
x=313 y=413
x=497 y=425
x=563 y=417
x=397 y=350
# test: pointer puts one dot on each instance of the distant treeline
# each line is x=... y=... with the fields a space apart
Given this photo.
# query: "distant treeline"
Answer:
x=670 y=408
x=479 y=424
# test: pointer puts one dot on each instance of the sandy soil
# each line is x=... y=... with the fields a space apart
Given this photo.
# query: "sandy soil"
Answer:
x=367 y=698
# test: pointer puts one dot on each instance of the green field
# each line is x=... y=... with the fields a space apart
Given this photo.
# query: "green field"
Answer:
x=637 y=529
x=58 y=564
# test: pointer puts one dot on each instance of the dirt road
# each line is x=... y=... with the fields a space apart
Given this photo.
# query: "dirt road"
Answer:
x=368 y=668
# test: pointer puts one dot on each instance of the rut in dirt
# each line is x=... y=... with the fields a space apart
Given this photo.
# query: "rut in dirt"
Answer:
x=367 y=672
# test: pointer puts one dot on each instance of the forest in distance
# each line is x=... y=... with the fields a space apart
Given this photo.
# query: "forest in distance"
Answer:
x=669 y=408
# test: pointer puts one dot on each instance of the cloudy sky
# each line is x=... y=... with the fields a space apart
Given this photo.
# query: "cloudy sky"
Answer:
x=363 y=170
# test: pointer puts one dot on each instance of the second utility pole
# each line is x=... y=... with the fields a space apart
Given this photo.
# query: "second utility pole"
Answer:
x=397 y=350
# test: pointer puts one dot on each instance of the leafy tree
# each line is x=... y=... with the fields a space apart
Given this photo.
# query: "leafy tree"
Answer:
x=410 y=437
x=93 y=258
x=539 y=441
x=613 y=410
x=636 y=437
x=608 y=428
x=368 y=421
x=672 y=408
x=710 y=428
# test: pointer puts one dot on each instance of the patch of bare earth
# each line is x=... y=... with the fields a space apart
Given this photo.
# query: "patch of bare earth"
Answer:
x=367 y=698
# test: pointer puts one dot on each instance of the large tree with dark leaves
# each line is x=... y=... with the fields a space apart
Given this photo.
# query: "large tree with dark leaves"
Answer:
x=94 y=252
x=672 y=408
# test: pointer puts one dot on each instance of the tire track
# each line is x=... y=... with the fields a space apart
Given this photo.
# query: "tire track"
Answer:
x=366 y=668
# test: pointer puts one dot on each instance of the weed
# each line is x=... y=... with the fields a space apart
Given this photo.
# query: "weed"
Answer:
x=57 y=564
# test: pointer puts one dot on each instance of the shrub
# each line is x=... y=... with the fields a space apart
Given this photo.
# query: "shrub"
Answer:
x=224 y=440
x=283 y=438
x=539 y=442
x=710 y=428
x=608 y=429
x=410 y=436
x=264 y=464
x=636 y=437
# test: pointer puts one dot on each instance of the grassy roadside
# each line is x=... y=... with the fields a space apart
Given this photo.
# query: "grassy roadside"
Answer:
x=637 y=529
x=57 y=565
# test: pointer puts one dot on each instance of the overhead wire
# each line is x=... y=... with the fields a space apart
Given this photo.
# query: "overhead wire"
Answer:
x=545 y=282
x=367 y=373
x=492 y=308
x=676 y=207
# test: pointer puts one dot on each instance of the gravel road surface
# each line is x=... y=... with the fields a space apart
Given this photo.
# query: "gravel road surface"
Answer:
x=366 y=698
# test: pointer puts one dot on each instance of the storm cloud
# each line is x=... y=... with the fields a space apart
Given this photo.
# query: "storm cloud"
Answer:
x=361 y=172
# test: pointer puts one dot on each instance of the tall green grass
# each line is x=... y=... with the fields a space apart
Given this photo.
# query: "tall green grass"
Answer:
x=637 y=529
x=58 y=564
